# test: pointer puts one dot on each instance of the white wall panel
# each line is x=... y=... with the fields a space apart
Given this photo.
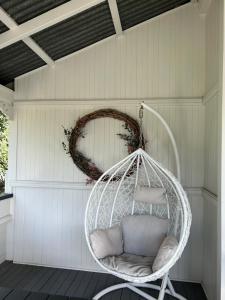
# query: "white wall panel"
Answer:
x=164 y=58
x=50 y=192
x=3 y=228
x=209 y=272
x=161 y=58
x=212 y=97
x=189 y=267
x=210 y=263
x=5 y=218
x=49 y=230
x=212 y=46
x=40 y=155
x=211 y=144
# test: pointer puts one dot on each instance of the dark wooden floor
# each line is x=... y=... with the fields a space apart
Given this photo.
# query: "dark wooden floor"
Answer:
x=18 y=282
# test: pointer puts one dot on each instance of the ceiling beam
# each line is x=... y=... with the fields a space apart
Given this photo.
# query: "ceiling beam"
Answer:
x=115 y=16
x=12 y=25
x=39 y=51
x=6 y=101
x=45 y=20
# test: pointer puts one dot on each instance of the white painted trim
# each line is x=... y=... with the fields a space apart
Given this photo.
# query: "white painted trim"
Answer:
x=115 y=16
x=6 y=19
x=12 y=25
x=221 y=156
x=197 y=191
x=210 y=94
x=105 y=102
x=6 y=219
x=39 y=51
x=47 y=19
x=2 y=258
x=6 y=101
x=6 y=94
x=209 y=194
x=12 y=153
x=77 y=268
x=203 y=6
x=50 y=184
x=110 y=38
x=74 y=185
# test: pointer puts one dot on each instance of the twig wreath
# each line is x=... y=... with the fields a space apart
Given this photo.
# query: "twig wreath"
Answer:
x=73 y=135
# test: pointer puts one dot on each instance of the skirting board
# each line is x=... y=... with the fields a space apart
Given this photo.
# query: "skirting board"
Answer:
x=73 y=185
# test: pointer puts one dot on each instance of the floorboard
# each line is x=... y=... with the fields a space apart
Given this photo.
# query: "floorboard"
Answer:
x=17 y=295
x=37 y=296
x=4 y=292
x=66 y=284
x=18 y=282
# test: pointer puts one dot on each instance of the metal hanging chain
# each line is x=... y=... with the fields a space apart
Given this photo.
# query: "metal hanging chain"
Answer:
x=141 y=114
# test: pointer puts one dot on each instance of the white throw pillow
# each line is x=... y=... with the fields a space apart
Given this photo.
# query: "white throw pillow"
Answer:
x=165 y=253
x=107 y=242
x=150 y=195
x=143 y=234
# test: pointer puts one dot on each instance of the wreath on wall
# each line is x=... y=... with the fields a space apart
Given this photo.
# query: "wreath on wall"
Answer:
x=132 y=138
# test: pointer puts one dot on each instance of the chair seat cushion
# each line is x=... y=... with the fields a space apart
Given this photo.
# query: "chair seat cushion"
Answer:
x=143 y=234
x=129 y=264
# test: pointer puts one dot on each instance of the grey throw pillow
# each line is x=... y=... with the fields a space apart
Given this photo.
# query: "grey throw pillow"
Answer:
x=143 y=234
x=107 y=242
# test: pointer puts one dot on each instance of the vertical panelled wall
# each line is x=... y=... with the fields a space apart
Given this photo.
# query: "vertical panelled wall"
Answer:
x=211 y=152
x=51 y=193
x=162 y=59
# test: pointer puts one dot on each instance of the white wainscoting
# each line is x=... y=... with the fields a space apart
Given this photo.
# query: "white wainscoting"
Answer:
x=211 y=140
x=5 y=218
x=50 y=192
x=209 y=272
x=3 y=241
x=212 y=50
x=38 y=153
x=210 y=231
x=49 y=230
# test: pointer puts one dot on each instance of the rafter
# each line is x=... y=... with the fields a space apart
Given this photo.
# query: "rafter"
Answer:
x=12 y=25
x=115 y=16
x=39 y=51
x=45 y=20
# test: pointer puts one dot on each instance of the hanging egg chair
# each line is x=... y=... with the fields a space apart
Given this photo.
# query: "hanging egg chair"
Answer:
x=137 y=222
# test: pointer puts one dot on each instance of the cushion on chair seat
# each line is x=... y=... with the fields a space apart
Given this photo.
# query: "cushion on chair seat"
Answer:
x=143 y=234
x=129 y=264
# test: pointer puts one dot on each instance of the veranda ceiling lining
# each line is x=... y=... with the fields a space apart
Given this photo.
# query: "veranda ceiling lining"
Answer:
x=72 y=34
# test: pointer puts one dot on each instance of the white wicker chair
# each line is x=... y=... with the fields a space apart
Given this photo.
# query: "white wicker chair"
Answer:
x=112 y=198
